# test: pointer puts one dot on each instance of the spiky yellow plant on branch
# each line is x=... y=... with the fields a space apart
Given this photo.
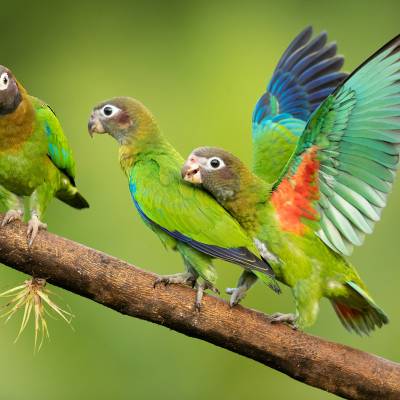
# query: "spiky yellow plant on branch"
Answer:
x=33 y=297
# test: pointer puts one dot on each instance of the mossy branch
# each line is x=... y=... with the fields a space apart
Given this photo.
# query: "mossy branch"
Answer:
x=338 y=369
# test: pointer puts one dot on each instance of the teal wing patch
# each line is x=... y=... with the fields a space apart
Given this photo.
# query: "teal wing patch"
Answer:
x=59 y=150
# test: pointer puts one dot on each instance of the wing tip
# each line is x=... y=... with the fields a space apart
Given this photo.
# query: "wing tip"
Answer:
x=265 y=268
x=308 y=31
x=275 y=287
x=393 y=43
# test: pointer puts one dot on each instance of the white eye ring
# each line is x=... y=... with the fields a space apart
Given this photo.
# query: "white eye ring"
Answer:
x=4 y=81
x=215 y=163
x=109 y=110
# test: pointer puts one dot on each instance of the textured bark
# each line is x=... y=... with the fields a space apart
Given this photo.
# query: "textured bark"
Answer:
x=338 y=369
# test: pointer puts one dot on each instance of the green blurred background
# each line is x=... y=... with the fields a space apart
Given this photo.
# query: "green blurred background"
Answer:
x=200 y=67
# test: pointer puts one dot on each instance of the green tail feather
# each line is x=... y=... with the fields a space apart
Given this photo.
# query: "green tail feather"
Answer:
x=360 y=314
x=72 y=197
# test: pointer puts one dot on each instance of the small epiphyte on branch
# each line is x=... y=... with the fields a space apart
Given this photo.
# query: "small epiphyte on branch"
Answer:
x=33 y=297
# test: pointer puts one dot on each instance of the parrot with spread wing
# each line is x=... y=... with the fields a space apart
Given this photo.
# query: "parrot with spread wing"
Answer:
x=35 y=158
x=308 y=71
x=184 y=217
x=329 y=196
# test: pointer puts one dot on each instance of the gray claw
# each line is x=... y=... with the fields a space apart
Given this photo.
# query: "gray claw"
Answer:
x=237 y=295
x=12 y=215
x=184 y=278
x=199 y=295
x=289 y=319
x=201 y=287
x=34 y=225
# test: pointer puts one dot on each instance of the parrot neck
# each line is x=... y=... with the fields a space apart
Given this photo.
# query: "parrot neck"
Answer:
x=249 y=201
x=17 y=127
x=144 y=143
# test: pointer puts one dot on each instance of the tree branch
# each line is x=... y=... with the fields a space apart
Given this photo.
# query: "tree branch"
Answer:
x=335 y=368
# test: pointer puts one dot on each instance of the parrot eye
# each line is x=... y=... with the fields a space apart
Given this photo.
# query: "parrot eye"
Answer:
x=109 y=110
x=4 y=81
x=215 y=163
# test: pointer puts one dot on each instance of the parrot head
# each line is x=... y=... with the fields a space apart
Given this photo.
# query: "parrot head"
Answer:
x=120 y=117
x=10 y=94
x=218 y=171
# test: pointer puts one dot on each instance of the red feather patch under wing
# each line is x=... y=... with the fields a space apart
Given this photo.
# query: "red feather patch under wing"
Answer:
x=295 y=196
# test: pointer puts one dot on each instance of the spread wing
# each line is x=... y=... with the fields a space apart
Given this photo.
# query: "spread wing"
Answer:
x=308 y=71
x=191 y=216
x=339 y=177
x=59 y=150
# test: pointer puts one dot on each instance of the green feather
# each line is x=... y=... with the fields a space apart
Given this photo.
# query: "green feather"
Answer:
x=370 y=194
x=369 y=165
x=366 y=176
x=374 y=154
x=376 y=145
x=357 y=201
x=351 y=213
x=334 y=235
x=343 y=225
x=277 y=139
x=59 y=150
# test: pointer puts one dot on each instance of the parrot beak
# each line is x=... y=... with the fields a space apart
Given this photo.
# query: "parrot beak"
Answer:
x=95 y=125
x=191 y=171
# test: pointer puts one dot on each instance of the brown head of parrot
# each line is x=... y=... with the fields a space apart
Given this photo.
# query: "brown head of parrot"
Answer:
x=10 y=96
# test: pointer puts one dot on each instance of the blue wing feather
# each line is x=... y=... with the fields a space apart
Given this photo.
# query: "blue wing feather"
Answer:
x=305 y=66
x=308 y=72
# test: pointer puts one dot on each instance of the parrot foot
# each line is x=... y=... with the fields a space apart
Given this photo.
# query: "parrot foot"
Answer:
x=289 y=319
x=201 y=287
x=185 y=278
x=34 y=225
x=237 y=295
x=12 y=215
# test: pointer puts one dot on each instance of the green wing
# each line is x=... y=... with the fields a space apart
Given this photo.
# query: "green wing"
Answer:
x=350 y=148
x=189 y=214
x=308 y=71
x=59 y=150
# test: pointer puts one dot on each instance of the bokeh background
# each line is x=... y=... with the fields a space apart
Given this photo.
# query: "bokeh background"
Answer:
x=200 y=67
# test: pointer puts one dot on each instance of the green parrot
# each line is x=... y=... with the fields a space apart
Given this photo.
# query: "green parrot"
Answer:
x=308 y=71
x=184 y=217
x=35 y=158
x=330 y=194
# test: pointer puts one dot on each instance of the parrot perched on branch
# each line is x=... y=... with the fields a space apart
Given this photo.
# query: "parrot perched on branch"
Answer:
x=329 y=196
x=35 y=158
x=184 y=217
x=308 y=71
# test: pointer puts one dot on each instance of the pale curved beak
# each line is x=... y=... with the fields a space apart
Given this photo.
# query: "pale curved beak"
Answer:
x=95 y=125
x=191 y=172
